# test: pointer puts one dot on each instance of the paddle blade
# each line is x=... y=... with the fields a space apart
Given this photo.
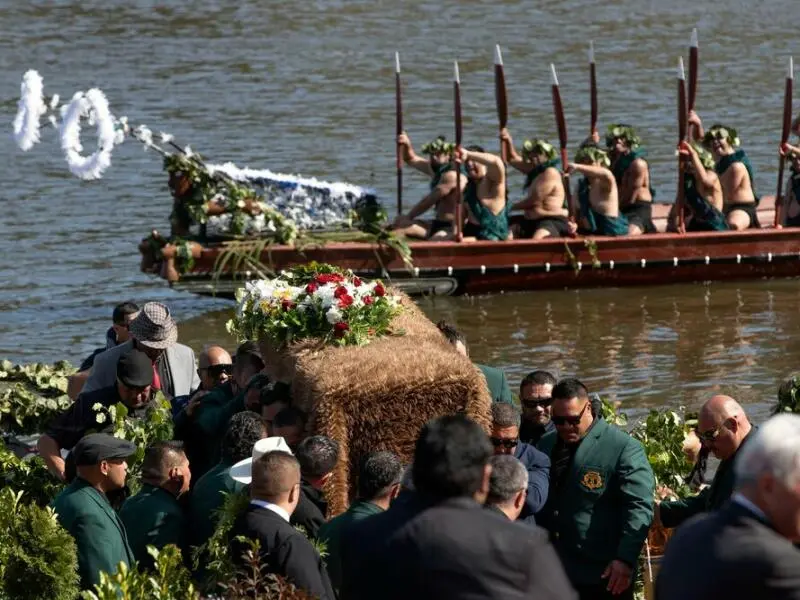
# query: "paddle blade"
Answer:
x=693 y=65
x=500 y=96
x=457 y=102
x=592 y=89
x=682 y=112
x=558 y=110
x=787 y=102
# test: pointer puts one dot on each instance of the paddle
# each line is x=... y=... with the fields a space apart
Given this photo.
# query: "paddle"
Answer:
x=693 y=61
x=682 y=121
x=457 y=107
x=561 y=123
x=500 y=97
x=787 y=123
x=592 y=90
x=398 y=110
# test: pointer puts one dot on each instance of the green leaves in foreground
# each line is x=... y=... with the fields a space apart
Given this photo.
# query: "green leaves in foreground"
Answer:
x=34 y=395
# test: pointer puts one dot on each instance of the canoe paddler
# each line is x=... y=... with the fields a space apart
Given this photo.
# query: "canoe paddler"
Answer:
x=633 y=177
x=702 y=190
x=543 y=206
x=597 y=192
x=484 y=195
x=734 y=171
x=443 y=194
x=792 y=202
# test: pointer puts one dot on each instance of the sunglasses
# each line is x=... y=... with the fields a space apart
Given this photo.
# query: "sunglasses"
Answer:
x=534 y=402
x=504 y=442
x=217 y=370
x=710 y=435
x=571 y=420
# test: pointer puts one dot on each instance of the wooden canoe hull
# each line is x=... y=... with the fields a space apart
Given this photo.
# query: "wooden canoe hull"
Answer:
x=484 y=267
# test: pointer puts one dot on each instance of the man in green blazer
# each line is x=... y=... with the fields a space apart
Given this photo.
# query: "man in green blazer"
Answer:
x=83 y=509
x=378 y=484
x=600 y=503
x=723 y=427
x=153 y=517
x=496 y=380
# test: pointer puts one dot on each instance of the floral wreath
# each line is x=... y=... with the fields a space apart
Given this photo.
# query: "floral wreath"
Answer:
x=314 y=302
x=593 y=154
x=438 y=146
x=706 y=158
x=536 y=146
x=721 y=132
x=622 y=131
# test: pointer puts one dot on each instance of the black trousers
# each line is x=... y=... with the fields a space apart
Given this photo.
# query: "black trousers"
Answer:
x=599 y=592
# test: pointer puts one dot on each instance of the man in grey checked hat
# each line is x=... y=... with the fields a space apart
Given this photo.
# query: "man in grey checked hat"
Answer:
x=155 y=333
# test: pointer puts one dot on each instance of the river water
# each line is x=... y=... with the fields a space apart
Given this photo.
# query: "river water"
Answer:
x=308 y=88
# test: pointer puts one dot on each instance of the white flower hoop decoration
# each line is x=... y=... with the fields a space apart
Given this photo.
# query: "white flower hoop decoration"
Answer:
x=30 y=110
x=92 y=105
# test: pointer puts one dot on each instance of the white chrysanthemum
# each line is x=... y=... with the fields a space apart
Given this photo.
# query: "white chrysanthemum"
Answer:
x=333 y=315
x=325 y=295
x=97 y=406
x=100 y=418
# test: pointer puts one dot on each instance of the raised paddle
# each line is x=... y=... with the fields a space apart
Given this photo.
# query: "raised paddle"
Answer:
x=500 y=97
x=561 y=123
x=398 y=111
x=457 y=107
x=592 y=90
x=682 y=130
x=787 y=123
x=693 y=59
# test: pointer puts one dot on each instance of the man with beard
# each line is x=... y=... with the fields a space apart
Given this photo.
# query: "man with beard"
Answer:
x=543 y=206
x=633 y=178
x=484 y=195
x=536 y=396
x=735 y=174
x=443 y=196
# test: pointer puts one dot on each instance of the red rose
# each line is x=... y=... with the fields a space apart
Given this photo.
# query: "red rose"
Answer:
x=340 y=291
x=380 y=290
x=368 y=300
x=329 y=278
x=345 y=301
x=312 y=287
x=287 y=304
x=340 y=328
x=356 y=281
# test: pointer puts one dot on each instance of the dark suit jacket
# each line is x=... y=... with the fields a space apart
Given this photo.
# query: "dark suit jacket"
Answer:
x=310 y=511
x=538 y=465
x=730 y=554
x=454 y=549
x=284 y=550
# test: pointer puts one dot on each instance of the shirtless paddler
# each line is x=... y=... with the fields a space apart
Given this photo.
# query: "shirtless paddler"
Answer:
x=702 y=190
x=484 y=195
x=597 y=193
x=734 y=171
x=543 y=206
x=443 y=194
x=633 y=178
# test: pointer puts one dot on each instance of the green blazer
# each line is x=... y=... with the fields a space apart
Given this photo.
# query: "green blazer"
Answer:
x=98 y=531
x=604 y=508
x=153 y=517
x=208 y=496
x=709 y=499
x=498 y=384
x=331 y=534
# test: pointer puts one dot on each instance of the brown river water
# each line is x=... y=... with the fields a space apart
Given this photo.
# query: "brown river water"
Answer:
x=308 y=88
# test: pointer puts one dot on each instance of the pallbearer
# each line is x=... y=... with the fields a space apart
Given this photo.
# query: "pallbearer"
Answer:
x=443 y=195
x=633 y=178
x=545 y=213
x=597 y=193
x=735 y=174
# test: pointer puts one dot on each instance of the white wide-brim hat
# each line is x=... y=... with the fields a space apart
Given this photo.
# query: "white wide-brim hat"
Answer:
x=243 y=470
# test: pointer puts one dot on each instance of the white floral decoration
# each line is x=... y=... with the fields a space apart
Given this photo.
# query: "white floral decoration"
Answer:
x=30 y=110
x=93 y=106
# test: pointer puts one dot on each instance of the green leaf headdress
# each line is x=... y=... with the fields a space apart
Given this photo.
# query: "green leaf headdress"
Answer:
x=438 y=146
x=537 y=146
x=623 y=131
x=721 y=132
x=593 y=154
x=706 y=158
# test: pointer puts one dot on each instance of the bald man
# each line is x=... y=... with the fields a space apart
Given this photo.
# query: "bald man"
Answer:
x=214 y=366
x=723 y=428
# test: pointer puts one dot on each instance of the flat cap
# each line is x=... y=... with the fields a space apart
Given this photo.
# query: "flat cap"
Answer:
x=135 y=369
x=97 y=447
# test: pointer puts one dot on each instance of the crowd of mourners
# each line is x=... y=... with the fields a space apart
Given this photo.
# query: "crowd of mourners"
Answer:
x=555 y=503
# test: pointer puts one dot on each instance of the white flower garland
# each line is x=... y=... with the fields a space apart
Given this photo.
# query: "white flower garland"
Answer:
x=30 y=110
x=94 y=106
